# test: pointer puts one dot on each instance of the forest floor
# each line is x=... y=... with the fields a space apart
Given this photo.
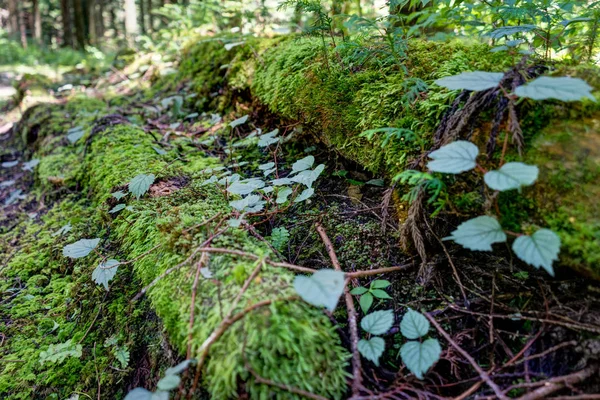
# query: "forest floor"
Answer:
x=533 y=337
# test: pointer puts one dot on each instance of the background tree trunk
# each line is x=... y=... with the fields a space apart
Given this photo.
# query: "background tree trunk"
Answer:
x=149 y=8
x=131 y=24
x=79 y=23
x=91 y=9
x=67 y=32
x=22 y=26
x=13 y=17
x=36 y=28
x=142 y=17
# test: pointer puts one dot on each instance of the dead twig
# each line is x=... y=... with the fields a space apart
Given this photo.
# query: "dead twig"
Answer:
x=484 y=375
x=554 y=384
x=356 y=368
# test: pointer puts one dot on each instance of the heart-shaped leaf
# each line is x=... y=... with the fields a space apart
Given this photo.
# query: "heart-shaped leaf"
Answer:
x=563 y=88
x=419 y=357
x=454 y=158
x=478 y=80
x=74 y=134
x=512 y=175
x=303 y=164
x=539 y=249
x=478 y=233
x=414 y=325
x=305 y=195
x=105 y=272
x=139 y=394
x=169 y=382
x=372 y=349
x=283 y=194
x=378 y=322
x=80 y=248
x=322 y=289
x=365 y=302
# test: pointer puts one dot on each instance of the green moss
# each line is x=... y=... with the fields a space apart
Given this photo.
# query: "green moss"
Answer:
x=288 y=341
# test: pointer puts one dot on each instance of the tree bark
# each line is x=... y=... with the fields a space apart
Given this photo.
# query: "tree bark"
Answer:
x=79 y=23
x=91 y=9
x=67 y=32
x=149 y=8
x=13 y=17
x=131 y=24
x=22 y=26
x=36 y=28
x=142 y=17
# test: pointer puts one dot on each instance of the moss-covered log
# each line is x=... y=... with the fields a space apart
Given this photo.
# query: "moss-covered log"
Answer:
x=55 y=300
x=336 y=98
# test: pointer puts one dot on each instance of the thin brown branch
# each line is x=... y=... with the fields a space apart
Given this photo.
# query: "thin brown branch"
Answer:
x=356 y=367
x=554 y=384
x=484 y=375
x=201 y=264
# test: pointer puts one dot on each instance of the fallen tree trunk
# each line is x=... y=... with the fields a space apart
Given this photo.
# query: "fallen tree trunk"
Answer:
x=337 y=97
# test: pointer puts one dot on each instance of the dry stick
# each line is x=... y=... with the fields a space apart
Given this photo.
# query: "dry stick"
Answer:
x=484 y=375
x=454 y=270
x=573 y=326
x=356 y=368
x=201 y=263
x=546 y=352
x=349 y=275
x=176 y=267
x=555 y=384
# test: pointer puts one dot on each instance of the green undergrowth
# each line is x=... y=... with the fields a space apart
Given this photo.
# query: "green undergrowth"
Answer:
x=336 y=100
x=288 y=341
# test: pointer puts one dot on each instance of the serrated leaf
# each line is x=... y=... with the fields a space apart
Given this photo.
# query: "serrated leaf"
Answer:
x=380 y=284
x=419 y=357
x=105 y=272
x=303 y=164
x=246 y=186
x=539 y=250
x=179 y=368
x=512 y=175
x=119 y=195
x=266 y=166
x=74 y=134
x=140 y=184
x=563 y=88
x=380 y=294
x=281 y=182
x=478 y=80
x=510 y=30
x=10 y=164
x=250 y=203
x=230 y=46
x=378 y=322
x=268 y=138
x=159 y=151
x=321 y=289
x=30 y=165
x=454 y=158
x=365 y=302
x=239 y=121
x=139 y=394
x=169 y=382
x=80 y=248
x=305 y=195
x=122 y=355
x=64 y=229
x=372 y=349
x=57 y=353
x=478 y=233
x=117 y=208
x=414 y=325
x=308 y=177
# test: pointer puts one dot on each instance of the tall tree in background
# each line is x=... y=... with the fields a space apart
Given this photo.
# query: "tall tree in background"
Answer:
x=36 y=25
x=67 y=32
x=79 y=23
x=13 y=17
x=131 y=23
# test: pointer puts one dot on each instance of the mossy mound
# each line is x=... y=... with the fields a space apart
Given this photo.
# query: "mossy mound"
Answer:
x=288 y=342
x=337 y=97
